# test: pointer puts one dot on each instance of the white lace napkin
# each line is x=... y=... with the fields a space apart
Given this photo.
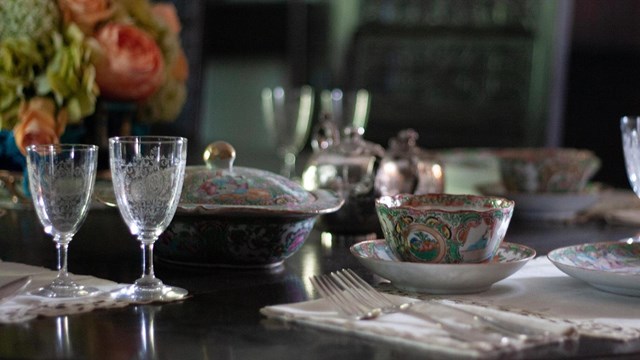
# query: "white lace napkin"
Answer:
x=413 y=331
x=540 y=289
x=538 y=295
x=26 y=307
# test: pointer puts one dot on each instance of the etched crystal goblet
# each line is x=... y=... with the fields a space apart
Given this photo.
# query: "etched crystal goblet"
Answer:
x=61 y=180
x=147 y=174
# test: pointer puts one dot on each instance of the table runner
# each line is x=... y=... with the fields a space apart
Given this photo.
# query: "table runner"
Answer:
x=538 y=294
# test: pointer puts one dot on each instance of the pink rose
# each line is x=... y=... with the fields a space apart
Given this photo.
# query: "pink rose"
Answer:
x=129 y=65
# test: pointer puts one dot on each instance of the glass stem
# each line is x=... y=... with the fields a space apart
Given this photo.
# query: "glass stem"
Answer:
x=147 y=258
x=62 y=247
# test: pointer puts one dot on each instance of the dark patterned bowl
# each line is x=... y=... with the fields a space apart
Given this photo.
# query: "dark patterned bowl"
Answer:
x=240 y=217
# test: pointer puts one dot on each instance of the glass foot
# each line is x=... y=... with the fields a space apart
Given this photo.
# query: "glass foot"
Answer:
x=143 y=291
x=55 y=290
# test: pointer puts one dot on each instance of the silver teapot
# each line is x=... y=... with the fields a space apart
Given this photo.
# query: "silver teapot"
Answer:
x=408 y=169
x=361 y=171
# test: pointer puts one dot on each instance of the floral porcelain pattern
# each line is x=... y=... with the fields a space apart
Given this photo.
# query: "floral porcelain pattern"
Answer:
x=444 y=228
x=532 y=170
x=618 y=257
x=508 y=252
x=243 y=186
x=220 y=242
x=377 y=256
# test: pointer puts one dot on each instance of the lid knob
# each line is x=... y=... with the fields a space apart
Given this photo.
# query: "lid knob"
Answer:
x=219 y=154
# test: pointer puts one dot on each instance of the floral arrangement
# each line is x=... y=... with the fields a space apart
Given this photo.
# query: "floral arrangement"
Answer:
x=58 y=57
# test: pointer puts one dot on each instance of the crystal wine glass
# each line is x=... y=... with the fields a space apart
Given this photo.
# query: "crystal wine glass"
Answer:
x=630 y=128
x=287 y=115
x=61 y=180
x=349 y=109
x=147 y=174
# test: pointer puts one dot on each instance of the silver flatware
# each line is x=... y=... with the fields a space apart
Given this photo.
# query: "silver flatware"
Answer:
x=13 y=288
x=355 y=298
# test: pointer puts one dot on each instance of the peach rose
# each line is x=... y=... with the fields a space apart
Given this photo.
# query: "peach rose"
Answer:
x=180 y=69
x=129 y=64
x=85 y=13
x=39 y=123
x=168 y=14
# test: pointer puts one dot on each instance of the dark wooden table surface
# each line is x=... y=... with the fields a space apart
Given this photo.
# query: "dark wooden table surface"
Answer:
x=221 y=319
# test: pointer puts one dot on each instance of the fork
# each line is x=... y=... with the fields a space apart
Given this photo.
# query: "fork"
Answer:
x=355 y=301
x=354 y=297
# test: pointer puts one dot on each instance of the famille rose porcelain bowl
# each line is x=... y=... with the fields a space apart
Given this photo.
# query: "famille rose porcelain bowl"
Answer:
x=240 y=217
x=546 y=170
x=444 y=228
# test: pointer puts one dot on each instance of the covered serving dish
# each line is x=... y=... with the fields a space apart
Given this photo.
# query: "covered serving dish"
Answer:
x=240 y=217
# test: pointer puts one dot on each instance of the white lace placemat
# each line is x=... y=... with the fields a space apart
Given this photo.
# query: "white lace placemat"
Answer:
x=25 y=307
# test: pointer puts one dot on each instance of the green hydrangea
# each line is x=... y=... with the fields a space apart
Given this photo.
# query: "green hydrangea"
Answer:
x=34 y=19
x=57 y=66
x=70 y=75
x=21 y=61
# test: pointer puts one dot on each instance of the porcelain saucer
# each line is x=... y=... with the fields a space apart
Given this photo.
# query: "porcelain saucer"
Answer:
x=376 y=256
x=544 y=206
x=609 y=266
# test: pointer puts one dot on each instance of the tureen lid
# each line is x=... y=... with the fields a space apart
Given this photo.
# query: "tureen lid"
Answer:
x=219 y=185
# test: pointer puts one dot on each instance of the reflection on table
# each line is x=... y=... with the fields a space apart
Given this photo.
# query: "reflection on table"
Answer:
x=221 y=318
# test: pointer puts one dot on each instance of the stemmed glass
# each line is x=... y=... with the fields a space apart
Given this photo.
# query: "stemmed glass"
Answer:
x=630 y=128
x=147 y=174
x=61 y=180
x=346 y=110
x=287 y=115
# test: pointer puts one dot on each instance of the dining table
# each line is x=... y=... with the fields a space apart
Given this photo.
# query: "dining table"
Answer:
x=221 y=318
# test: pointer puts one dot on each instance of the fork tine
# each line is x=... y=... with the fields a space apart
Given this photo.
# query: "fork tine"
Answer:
x=332 y=292
x=367 y=289
x=349 y=298
x=366 y=293
x=354 y=290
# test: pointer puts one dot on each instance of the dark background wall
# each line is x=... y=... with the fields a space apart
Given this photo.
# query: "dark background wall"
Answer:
x=603 y=80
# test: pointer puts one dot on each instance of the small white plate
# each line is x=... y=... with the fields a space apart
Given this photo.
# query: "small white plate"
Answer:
x=609 y=266
x=544 y=206
x=376 y=256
